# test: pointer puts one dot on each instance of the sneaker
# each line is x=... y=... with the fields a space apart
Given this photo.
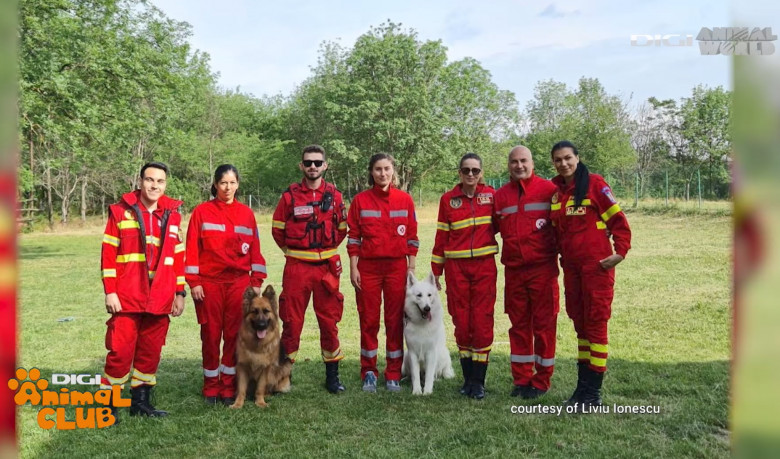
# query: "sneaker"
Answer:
x=393 y=385
x=369 y=382
x=518 y=390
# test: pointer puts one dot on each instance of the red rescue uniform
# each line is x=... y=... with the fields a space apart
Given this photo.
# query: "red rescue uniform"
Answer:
x=382 y=233
x=143 y=263
x=531 y=278
x=223 y=257
x=583 y=239
x=465 y=251
x=309 y=225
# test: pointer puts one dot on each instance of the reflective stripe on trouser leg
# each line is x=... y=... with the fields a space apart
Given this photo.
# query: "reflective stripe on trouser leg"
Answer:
x=233 y=315
x=296 y=291
x=211 y=316
x=151 y=337
x=543 y=296
x=482 y=274
x=572 y=283
x=394 y=290
x=368 y=302
x=517 y=307
x=328 y=308
x=458 y=304
x=598 y=290
x=121 y=337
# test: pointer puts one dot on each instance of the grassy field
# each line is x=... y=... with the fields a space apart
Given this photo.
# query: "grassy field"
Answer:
x=669 y=347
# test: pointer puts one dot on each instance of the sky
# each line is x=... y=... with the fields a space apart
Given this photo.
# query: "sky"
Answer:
x=268 y=48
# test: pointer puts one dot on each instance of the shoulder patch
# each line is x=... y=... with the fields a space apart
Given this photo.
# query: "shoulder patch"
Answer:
x=129 y=215
x=606 y=191
x=555 y=198
x=455 y=203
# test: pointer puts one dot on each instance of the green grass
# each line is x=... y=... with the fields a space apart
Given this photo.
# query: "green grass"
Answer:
x=669 y=347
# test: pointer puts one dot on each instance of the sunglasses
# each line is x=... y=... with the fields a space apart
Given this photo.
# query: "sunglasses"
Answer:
x=316 y=162
x=473 y=170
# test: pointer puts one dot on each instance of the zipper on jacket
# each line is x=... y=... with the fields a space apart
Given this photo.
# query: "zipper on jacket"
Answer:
x=474 y=223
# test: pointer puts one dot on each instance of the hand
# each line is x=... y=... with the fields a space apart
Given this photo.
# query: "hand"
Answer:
x=354 y=276
x=438 y=282
x=197 y=293
x=257 y=291
x=112 y=303
x=178 y=306
x=611 y=261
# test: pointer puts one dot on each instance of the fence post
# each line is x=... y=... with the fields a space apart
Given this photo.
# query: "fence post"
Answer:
x=667 y=188
x=420 y=194
x=636 y=190
x=250 y=201
x=698 y=176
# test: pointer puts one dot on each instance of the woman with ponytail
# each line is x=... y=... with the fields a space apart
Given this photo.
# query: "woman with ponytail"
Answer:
x=585 y=215
x=223 y=259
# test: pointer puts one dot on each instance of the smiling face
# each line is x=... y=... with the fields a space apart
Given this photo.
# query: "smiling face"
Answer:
x=227 y=187
x=152 y=185
x=466 y=172
x=565 y=162
x=520 y=164
x=382 y=173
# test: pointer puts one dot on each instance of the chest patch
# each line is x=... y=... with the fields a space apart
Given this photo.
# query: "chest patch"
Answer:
x=129 y=215
x=484 y=199
x=299 y=211
x=401 y=230
x=575 y=211
x=455 y=203
x=540 y=223
x=555 y=198
x=245 y=248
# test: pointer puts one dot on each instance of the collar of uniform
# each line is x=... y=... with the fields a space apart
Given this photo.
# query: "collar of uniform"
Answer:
x=458 y=190
x=222 y=204
x=381 y=193
x=561 y=183
x=134 y=197
x=524 y=184
x=305 y=186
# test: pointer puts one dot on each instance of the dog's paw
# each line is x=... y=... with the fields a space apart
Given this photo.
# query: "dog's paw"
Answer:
x=261 y=404
x=417 y=391
x=427 y=392
x=236 y=405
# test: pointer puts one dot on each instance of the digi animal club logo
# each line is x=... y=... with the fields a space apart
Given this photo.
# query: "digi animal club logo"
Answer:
x=92 y=409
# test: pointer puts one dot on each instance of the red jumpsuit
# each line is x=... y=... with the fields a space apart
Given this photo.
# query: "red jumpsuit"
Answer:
x=310 y=237
x=531 y=278
x=382 y=232
x=464 y=249
x=223 y=256
x=143 y=263
x=583 y=239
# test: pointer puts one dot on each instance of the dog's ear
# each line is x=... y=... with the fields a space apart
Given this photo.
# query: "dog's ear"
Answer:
x=249 y=295
x=431 y=279
x=410 y=279
x=270 y=294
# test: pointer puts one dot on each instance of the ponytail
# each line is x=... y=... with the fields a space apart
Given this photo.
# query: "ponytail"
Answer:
x=581 y=183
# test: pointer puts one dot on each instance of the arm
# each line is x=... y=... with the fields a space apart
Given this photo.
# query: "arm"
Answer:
x=412 y=243
x=192 y=266
x=279 y=221
x=617 y=225
x=341 y=214
x=108 y=264
x=442 y=237
x=178 y=269
x=258 y=268
x=353 y=243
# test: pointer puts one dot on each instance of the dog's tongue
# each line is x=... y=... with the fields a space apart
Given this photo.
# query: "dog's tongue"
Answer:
x=261 y=334
x=428 y=317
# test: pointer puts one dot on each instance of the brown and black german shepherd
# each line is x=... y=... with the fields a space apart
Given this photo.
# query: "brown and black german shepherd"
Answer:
x=260 y=354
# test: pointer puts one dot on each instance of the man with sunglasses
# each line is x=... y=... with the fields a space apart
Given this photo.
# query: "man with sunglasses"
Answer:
x=309 y=223
x=531 y=274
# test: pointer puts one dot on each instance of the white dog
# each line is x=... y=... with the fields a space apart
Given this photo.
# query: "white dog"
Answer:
x=426 y=347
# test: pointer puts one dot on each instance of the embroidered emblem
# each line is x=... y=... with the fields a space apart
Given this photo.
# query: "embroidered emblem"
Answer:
x=401 y=230
x=608 y=193
x=129 y=215
x=455 y=203
x=540 y=223
x=303 y=210
x=555 y=198
x=245 y=248
x=484 y=198
x=575 y=211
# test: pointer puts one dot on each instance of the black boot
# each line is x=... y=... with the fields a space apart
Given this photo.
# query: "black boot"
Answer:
x=114 y=412
x=478 y=371
x=140 y=403
x=582 y=368
x=332 y=382
x=465 y=365
x=591 y=396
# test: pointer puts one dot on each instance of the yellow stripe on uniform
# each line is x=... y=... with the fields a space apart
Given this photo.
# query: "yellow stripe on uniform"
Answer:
x=306 y=255
x=556 y=206
x=111 y=240
x=128 y=257
x=442 y=226
x=583 y=342
x=128 y=224
x=484 y=349
x=181 y=247
x=168 y=261
x=464 y=354
x=598 y=348
x=601 y=225
x=437 y=259
x=342 y=226
x=583 y=355
x=109 y=273
x=180 y=280
x=277 y=224
x=585 y=202
x=460 y=224
x=479 y=357
x=598 y=362
x=610 y=212
x=155 y=241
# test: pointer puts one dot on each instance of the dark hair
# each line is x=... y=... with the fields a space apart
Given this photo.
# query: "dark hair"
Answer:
x=471 y=155
x=220 y=172
x=379 y=157
x=156 y=165
x=581 y=174
x=313 y=148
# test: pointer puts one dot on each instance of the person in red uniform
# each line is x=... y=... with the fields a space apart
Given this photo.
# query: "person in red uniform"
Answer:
x=465 y=251
x=309 y=223
x=143 y=278
x=531 y=273
x=223 y=259
x=382 y=245
x=585 y=215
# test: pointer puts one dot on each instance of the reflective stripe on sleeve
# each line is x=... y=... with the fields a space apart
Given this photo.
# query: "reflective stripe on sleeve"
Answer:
x=109 y=273
x=398 y=213
x=508 y=210
x=413 y=243
x=258 y=268
x=442 y=226
x=212 y=227
x=354 y=241
x=278 y=225
x=370 y=213
x=192 y=269
x=111 y=240
x=536 y=206
x=610 y=212
x=181 y=247
x=437 y=259
x=243 y=230
x=168 y=261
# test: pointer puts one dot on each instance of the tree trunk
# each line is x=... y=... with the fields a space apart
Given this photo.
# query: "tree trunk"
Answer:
x=49 y=207
x=84 y=200
x=103 y=206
